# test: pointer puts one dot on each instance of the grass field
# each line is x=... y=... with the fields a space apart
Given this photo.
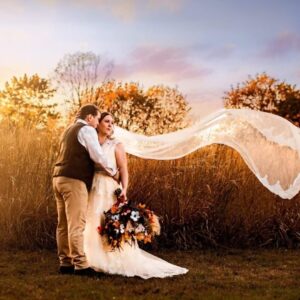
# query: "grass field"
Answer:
x=209 y=198
x=230 y=274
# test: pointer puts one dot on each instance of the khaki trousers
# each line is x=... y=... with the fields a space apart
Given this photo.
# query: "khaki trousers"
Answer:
x=72 y=201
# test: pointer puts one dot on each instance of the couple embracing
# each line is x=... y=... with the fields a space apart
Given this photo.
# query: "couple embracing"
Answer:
x=91 y=165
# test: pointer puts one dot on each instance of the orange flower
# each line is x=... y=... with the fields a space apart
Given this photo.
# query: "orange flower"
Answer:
x=147 y=239
x=140 y=236
x=127 y=236
x=155 y=224
x=114 y=209
x=116 y=224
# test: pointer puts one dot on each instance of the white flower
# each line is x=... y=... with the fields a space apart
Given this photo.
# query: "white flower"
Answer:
x=115 y=217
x=135 y=215
x=122 y=228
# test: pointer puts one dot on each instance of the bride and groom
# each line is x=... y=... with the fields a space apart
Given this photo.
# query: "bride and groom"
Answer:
x=90 y=166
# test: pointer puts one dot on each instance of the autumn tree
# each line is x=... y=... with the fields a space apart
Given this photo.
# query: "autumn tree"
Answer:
x=78 y=73
x=266 y=94
x=159 y=109
x=26 y=101
x=290 y=108
x=169 y=109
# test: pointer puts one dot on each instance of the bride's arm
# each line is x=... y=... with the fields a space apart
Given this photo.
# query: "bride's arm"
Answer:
x=121 y=159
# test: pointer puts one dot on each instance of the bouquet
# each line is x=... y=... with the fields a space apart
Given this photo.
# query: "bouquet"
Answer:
x=128 y=223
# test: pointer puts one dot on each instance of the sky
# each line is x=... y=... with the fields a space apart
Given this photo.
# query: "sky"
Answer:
x=202 y=47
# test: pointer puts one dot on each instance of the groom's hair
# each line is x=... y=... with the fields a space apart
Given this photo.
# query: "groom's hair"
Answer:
x=85 y=110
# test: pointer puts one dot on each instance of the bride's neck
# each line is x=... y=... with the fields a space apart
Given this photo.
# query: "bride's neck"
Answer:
x=102 y=138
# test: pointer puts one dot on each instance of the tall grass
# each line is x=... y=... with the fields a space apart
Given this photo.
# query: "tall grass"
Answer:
x=27 y=208
x=207 y=199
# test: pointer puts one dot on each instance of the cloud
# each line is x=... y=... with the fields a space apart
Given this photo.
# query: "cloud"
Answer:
x=126 y=10
x=210 y=51
x=281 y=45
x=169 y=5
x=170 y=62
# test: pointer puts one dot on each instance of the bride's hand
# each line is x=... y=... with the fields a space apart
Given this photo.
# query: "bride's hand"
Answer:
x=123 y=196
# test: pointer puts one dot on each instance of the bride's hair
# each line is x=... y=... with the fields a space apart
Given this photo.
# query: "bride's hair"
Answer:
x=102 y=116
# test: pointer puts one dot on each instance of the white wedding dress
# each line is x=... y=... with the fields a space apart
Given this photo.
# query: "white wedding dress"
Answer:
x=130 y=260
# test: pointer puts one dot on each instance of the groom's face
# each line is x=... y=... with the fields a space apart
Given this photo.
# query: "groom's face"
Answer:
x=93 y=120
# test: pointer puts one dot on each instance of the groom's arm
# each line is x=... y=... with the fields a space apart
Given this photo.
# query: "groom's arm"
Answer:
x=87 y=136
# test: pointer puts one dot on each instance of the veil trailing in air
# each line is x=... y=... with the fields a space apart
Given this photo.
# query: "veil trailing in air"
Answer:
x=269 y=144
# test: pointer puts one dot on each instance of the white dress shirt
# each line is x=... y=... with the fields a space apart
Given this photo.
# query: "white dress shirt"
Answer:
x=87 y=137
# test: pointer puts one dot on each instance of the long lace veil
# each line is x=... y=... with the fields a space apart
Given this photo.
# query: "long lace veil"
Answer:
x=269 y=144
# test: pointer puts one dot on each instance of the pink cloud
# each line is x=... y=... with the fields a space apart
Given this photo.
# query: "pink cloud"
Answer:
x=172 y=62
x=282 y=44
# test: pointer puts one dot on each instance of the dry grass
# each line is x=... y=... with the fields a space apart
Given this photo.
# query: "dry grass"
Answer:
x=207 y=199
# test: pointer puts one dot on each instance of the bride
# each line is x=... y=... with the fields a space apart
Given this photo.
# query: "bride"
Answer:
x=130 y=260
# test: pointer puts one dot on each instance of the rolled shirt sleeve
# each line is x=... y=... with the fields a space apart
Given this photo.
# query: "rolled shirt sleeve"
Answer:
x=87 y=137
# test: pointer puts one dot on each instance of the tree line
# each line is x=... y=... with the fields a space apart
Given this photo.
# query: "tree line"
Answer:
x=84 y=77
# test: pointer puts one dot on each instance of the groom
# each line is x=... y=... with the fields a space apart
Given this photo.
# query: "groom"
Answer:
x=72 y=179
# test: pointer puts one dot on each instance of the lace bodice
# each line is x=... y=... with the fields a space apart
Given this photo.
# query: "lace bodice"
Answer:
x=109 y=148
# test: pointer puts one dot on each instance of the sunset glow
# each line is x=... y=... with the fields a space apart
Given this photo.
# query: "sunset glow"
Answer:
x=200 y=46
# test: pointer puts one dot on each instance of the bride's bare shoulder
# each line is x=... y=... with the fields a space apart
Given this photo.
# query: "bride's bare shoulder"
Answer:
x=117 y=142
x=119 y=148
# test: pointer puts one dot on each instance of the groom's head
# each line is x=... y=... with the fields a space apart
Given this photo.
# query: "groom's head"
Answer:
x=89 y=113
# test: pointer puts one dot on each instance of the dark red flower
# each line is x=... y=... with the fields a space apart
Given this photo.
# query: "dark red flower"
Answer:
x=100 y=229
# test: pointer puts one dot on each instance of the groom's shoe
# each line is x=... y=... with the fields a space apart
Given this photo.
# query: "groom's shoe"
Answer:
x=66 y=270
x=86 y=272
